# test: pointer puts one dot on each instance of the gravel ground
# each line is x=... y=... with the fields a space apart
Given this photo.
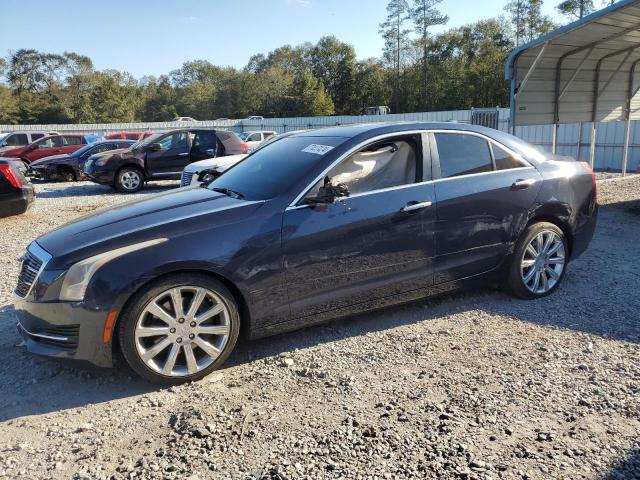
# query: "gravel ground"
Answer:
x=476 y=385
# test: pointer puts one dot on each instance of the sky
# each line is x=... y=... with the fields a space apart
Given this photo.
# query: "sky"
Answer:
x=153 y=37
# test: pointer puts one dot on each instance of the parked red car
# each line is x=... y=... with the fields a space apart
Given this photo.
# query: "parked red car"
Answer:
x=128 y=135
x=49 y=145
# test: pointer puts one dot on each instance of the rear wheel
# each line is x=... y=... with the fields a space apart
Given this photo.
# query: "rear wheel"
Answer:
x=179 y=329
x=539 y=261
x=129 y=180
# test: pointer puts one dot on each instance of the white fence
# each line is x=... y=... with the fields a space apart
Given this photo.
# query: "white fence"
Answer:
x=277 y=124
x=573 y=139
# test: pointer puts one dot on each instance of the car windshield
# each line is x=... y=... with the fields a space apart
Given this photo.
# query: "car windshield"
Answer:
x=276 y=168
x=243 y=135
x=3 y=136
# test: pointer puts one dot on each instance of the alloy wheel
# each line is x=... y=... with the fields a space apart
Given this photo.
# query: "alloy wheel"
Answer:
x=543 y=262
x=182 y=331
x=130 y=180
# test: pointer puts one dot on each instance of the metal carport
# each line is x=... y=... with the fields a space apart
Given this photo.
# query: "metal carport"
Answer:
x=583 y=72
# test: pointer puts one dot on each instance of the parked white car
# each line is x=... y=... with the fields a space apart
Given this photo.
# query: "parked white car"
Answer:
x=216 y=166
x=184 y=119
x=191 y=173
x=254 y=139
x=11 y=140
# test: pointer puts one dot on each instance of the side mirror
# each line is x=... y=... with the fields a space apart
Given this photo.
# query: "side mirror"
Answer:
x=155 y=147
x=328 y=193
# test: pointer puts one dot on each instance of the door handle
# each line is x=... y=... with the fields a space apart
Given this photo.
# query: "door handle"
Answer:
x=522 y=184
x=183 y=154
x=412 y=207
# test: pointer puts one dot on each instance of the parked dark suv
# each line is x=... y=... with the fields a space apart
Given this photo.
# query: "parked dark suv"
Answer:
x=160 y=157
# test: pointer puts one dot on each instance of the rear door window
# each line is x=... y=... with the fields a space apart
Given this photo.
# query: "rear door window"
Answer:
x=505 y=160
x=204 y=140
x=51 y=142
x=462 y=154
x=36 y=136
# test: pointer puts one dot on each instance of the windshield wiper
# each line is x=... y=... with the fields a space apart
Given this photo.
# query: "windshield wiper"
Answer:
x=229 y=192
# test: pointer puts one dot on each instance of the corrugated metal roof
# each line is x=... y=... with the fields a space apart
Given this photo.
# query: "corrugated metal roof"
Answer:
x=582 y=72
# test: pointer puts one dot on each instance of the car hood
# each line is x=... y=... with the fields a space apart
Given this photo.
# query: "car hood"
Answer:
x=14 y=152
x=164 y=215
x=118 y=153
x=50 y=159
x=214 y=163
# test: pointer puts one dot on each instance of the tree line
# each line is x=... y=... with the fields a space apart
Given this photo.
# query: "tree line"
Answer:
x=417 y=71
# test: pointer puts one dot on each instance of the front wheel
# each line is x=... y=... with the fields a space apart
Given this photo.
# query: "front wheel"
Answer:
x=179 y=329
x=129 y=180
x=538 y=264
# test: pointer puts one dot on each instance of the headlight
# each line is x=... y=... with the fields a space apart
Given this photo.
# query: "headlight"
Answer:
x=79 y=275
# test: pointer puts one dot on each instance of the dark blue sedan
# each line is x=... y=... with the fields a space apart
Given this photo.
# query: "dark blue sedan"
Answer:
x=69 y=167
x=317 y=226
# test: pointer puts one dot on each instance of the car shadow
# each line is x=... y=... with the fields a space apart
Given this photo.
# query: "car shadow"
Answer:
x=626 y=469
x=85 y=189
x=52 y=385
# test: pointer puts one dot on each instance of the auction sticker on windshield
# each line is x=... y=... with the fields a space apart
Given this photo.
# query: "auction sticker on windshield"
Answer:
x=317 y=149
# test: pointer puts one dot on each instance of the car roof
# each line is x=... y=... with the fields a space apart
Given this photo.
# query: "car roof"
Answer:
x=350 y=131
x=361 y=132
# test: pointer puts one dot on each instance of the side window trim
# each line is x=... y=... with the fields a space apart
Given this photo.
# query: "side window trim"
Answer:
x=437 y=174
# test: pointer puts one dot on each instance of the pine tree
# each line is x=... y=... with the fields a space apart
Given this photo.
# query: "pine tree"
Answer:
x=576 y=8
x=528 y=20
x=425 y=15
x=396 y=39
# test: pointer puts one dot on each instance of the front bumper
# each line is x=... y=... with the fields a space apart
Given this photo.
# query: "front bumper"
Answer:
x=63 y=330
x=17 y=203
x=97 y=174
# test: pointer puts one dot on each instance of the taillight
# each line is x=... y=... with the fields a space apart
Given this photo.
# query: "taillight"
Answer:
x=245 y=147
x=587 y=167
x=11 y=175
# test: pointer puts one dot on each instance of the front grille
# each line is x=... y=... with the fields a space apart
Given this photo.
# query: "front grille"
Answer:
x=28 y=273
x=185 y=181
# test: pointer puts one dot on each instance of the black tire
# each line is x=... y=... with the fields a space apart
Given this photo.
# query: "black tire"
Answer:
x=125 y=180
x=515 y=282
x=135 y=307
